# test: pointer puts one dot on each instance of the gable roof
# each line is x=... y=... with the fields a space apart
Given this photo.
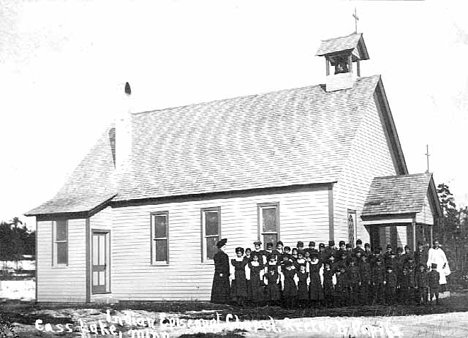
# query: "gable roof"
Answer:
x=404 y=194
x=353 y=42
x=284 y=138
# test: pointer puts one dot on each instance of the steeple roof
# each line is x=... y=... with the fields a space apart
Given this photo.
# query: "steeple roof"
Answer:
x=353 y=42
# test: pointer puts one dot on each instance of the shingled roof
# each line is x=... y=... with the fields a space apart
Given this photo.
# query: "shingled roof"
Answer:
x=402 y=194
x=353 y=42
x=284 y=138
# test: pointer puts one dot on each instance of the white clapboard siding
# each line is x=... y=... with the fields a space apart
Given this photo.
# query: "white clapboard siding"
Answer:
x=61 y=284
x=102 y=220
x=425 y=216
x=303 y=216
x=369 y=157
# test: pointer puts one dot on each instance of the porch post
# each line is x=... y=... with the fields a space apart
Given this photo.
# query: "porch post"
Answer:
x=414 y=233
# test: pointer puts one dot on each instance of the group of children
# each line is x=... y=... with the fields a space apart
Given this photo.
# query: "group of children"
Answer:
x=330 y=276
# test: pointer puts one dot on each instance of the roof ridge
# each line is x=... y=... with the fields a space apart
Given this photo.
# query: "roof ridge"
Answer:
x=340 y=37
x=245 y=96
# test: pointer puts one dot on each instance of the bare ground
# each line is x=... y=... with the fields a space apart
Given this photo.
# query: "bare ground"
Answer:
x=205 y=320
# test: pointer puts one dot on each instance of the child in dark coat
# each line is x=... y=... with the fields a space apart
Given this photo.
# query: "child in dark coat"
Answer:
x=421 y=284
x=341 y=287
x=433 y=281
x=302 y=286
x=390 y=285
x=366 y=279
x=329 y=281
x=378 y=281
x=289 y=285
x=255 y=276
x=239 y=283
x=272 y=289
x=354 y=276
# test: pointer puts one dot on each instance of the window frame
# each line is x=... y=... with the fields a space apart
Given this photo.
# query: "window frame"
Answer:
x=260 y=207
x=55 y=246
x=153 y=239
x=204 y=249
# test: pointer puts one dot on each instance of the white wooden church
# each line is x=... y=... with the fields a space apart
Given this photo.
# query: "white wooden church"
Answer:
x=139 y=217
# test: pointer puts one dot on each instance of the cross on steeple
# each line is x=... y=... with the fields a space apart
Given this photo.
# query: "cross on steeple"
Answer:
x=427 y=155
x=356 y=18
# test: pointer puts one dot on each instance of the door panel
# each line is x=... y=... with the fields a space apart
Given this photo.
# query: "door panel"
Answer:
x=100 y=273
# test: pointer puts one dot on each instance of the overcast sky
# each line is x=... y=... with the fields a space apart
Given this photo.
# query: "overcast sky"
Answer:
x=63 y=65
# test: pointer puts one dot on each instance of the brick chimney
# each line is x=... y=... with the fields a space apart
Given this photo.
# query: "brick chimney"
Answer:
x=123 y=131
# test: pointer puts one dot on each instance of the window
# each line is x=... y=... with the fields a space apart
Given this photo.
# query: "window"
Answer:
x=211 y=232
x=352 y=227
x=60 y=242
x=268 y=222
x=159 y=233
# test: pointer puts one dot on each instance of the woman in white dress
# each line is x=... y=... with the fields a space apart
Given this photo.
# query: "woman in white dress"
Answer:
x=437 y=255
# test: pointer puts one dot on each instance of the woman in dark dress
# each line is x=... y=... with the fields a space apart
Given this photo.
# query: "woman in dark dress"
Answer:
x=220 y=290
x=239 y=283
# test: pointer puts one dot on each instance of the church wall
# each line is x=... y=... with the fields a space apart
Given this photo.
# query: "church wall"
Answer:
x=368 y=157
x=61 y=283
x=304 y=215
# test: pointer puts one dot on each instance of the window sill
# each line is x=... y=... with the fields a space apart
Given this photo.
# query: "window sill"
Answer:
x=59 y=266
x=159 y=264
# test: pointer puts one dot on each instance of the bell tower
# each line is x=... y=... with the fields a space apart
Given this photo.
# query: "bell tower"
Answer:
x=342 y=60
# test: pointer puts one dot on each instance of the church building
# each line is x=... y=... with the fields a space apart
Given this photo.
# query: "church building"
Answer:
x=139 y=217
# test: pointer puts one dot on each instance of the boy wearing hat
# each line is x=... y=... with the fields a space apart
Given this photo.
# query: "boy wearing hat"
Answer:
x=390 y=285
x=366 y=280
x=433 y=281
x=378 y=279
x=322 y=254
x=421 y=284
x=312 y=248
x=358 y=246
x=221 y=288
x=300 y=247
x=354 y=276
x=239 y=282
x=331 y=249
x=340 y=251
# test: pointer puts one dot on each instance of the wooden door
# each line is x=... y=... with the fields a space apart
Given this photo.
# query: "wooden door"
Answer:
x=100 y=259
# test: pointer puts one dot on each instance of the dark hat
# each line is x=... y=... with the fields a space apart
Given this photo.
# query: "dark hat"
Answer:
x=287 y=248
x=342 y=243
x=288 y=263
x=331 y=243
x=389 y=267
x=300 y=252
x=420 y=243
x=434 y=266
x=409 y=257
x=255 y=254
x=348 y=245
x=314 y=254
x=257 y=243
x=367 y=245
x=221 y=243
x=399 y=249
x=279 y=243
x=422 y=264
x=269 y=245
x=270 y=257
x=239 y=249
x=322 y=245
x=358 y=252
x=358 y=241
x=407 y=247
x=389 y=246
x=379 y=248
x=344 y=253
x=311 y=243
x=300 y=243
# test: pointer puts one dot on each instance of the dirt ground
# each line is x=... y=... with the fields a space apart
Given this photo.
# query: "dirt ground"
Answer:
x=205 y=320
